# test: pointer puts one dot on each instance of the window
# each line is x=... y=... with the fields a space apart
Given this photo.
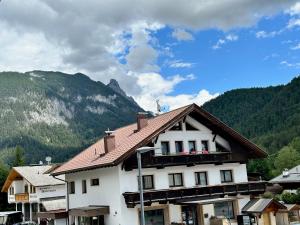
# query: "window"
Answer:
x=179 y=146
x=95 y=182
x=154 y=217
x=165 y=148
x=32 y=189
x=83 y=186
x=192 y=146
x=148 y=182
x=201 y=178
x=177 y=126
x=26 y=188
x=72 y=187
x=11 y=190
x=204 y=145
x=226 y=176
x=175 y=180
x=224 y=209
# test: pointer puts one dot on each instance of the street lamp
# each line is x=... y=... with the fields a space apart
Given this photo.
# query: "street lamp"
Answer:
x=139 y=153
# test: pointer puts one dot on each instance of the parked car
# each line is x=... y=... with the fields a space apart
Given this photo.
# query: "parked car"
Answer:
x=27 y=223
x=10 y=218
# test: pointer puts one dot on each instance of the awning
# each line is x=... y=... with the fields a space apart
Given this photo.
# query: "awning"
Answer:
x=55 y=214
x=261 y=205
x=55 y=204
x=89 y=211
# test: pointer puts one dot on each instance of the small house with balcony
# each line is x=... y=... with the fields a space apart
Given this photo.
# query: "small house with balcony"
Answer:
x=197 y=174
x=36 y=194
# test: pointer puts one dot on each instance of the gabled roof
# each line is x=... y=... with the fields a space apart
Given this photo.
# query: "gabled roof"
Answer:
x=35 y=175
x=127 y=140
x=259 y=205
x=292 y=177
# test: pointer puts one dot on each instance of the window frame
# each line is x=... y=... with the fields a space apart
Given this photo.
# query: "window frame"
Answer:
x=83 y=186
x=95 y=184
x=173 y=178
x=195 y=145
x=197 y=178
x=182 y=145
x=152 y=182
x=208 y=147
x=222 y=174
x=231 y=205
x=72 y=188
x=168 y=144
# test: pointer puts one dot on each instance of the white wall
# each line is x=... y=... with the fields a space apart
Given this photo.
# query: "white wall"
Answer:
x=128 y=179
x=51 y=191
x=203 y=134
x=107 y=193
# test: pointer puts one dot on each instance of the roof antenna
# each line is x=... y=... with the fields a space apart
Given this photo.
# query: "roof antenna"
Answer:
x=158 y=107
x=109 y=132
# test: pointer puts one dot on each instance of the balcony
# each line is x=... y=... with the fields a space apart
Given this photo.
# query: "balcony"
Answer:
x=184 y=158
x=194 y=193
x=22 y=197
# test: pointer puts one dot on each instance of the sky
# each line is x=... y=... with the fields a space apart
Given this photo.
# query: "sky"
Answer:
x=177 y=51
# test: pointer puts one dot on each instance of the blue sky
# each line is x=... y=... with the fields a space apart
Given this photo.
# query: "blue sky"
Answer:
x=249 y=61
x=177 y=51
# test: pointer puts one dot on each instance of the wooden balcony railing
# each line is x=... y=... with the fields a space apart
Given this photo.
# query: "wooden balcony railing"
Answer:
x=22 y=197
x=189 y=159
x=194 y=193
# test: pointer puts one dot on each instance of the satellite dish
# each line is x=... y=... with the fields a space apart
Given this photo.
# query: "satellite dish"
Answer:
x=48 y=159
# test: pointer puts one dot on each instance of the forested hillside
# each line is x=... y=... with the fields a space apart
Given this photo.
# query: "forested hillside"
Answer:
x=56 y=114
x=268 y=116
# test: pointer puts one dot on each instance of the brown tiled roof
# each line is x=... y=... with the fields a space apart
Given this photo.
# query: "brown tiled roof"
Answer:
x=127 y=141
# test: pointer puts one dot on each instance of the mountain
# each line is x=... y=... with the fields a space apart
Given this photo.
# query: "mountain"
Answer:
x=57 y=114
x=268 y=116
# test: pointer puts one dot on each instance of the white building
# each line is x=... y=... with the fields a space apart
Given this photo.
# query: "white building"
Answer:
x=37 y=194
x=197 y=173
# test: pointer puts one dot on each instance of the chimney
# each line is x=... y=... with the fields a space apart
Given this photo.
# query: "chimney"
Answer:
x=142 y=120
x=109 y=141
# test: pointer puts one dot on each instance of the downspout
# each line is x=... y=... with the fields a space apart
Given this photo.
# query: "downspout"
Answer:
x=67 y=195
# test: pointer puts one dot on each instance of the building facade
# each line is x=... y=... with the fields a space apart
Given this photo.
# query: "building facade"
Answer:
x=197 y=174
x=34 y=192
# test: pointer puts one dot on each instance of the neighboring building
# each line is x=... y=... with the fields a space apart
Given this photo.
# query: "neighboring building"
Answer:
x=197 y=173
x=34 y=192
x=265 y=211
x=289 y=179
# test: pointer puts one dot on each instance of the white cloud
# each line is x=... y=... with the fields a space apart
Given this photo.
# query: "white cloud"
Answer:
x=288 y=64
x=264 y=34
x=296 y=47
x=182 y=35
x=180 y=64
x=93 y=36
x=154 y=87
x=293 y=23
x=228 y=38
x=295 y=9
x=273 y=55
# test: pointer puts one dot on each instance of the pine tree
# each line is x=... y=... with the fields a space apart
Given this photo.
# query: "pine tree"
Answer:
x=19 y=157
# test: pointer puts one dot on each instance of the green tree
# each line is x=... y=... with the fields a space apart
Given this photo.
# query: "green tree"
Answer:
x=19 y=157
x=3 y=196
x=287 y=157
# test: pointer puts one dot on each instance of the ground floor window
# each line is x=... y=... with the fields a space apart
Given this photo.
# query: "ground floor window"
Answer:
x=225 y=209
x=154 y=217
x=95 y=220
